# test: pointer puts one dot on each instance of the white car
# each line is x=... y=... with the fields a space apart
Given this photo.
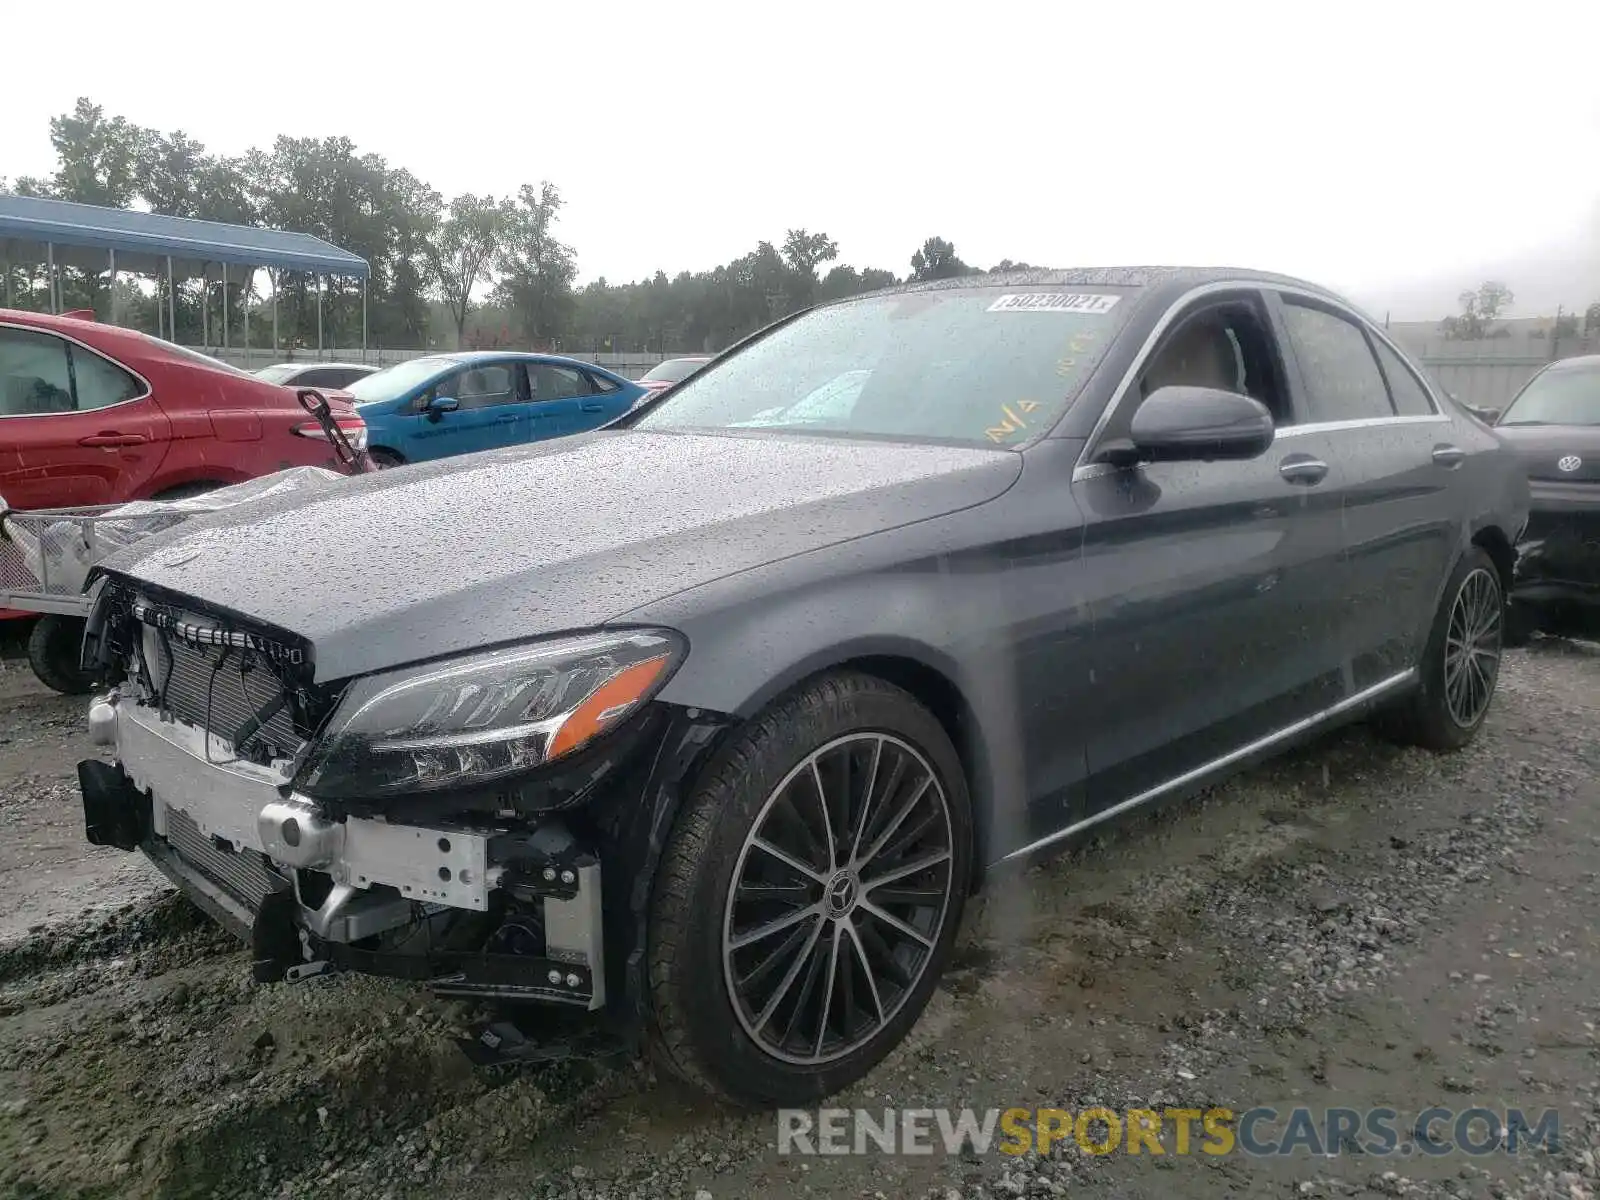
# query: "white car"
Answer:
x=315 y=375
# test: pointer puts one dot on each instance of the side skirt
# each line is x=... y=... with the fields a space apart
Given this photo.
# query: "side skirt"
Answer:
x=1348 y=707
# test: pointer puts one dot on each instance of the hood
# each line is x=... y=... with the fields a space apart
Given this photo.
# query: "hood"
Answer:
x=1543 y=449
x=453 y=555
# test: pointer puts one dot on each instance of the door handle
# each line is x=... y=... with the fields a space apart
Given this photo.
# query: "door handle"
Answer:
x=1303 y=469
x=593 y=406
x=1449 y=456
x=113 y=439
x=510 y=420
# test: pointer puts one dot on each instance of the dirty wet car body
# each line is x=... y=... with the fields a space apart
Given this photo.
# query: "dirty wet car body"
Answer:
x=710 y=721
x=1553 y=424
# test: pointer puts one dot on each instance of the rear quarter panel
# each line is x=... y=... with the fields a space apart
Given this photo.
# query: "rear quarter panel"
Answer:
x=228 y=428
x=1490 y=491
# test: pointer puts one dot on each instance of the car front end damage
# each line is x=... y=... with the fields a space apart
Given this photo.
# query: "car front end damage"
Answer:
x=487 y=824
x=1558 y=560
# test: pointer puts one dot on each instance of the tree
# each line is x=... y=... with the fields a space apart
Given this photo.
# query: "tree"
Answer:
x=1005 y=264
x=428 y=262
x=937 y=260
x=1591 y=319
x=1493 y=299
x=96 y=159
x=462 y=250
x=1479 y=311
x=166 y=172
x=536 y=269
x=803 y=253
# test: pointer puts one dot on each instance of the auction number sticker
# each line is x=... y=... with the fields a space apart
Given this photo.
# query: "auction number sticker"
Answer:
x=1055 y=302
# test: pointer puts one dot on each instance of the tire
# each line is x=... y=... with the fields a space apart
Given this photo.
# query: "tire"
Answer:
x=383 y=460
x=1522 y=622
x=1431 y=717
x=54 y=649
x=704 y=1026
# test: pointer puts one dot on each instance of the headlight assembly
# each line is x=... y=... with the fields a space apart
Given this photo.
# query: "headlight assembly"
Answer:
x=483 y=717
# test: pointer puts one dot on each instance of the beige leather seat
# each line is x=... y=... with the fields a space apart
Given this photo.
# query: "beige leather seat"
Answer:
x=1201 y=355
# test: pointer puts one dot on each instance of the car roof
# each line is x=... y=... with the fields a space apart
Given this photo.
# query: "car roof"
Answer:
x=472 y=356
x=313 y=366
x=133 y=348
x=1151 y=277
x=77 y=327
x=1582 y=362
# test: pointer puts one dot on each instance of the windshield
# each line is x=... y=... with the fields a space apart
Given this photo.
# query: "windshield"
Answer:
x=968 y=365
x=674 y=370
x=1561 y=395
x=278 y=374
x=394 y=382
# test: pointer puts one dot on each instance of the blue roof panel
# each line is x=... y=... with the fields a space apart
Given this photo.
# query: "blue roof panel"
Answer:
x=29 y=221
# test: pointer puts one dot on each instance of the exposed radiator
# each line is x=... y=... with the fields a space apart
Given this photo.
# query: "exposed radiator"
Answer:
x=244 y=873
x=211 y=688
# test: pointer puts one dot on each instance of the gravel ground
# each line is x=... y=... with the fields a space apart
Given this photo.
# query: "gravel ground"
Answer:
x=1353 y=925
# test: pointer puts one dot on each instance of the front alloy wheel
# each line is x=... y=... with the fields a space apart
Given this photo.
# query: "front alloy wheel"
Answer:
x=840 y=892
x=809 y=894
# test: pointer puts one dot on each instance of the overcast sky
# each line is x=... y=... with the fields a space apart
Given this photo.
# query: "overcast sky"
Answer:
x=1377 y=147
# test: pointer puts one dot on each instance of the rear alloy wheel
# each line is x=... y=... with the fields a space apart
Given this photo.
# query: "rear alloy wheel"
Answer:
x=1461 y=664
x=810 y=894
x=1472 y=647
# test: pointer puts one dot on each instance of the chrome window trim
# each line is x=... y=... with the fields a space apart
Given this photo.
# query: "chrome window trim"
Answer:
x=1086 y=468
x=1095 y=470
x=67 y=337
x=1361 y=423
x=1405 y=360
x=1304 y=725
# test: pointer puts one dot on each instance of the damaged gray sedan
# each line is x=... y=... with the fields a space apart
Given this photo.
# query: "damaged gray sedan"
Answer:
x=707 y=723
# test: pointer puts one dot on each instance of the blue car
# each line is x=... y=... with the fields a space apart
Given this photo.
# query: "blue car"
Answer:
x=448 y=404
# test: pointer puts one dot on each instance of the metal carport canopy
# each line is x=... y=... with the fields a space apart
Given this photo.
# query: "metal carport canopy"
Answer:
x=82 y=234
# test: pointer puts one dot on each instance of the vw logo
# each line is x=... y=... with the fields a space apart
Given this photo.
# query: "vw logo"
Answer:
x=1569 y=462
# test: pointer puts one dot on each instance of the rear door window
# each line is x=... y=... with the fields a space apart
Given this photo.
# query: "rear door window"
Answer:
x=42 y=374
x=1410 y=397
x=551 y=382
x=1342 y=379
x=99 y=383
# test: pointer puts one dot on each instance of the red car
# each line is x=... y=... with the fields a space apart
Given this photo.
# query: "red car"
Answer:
x=97 y=414
x=675 y=370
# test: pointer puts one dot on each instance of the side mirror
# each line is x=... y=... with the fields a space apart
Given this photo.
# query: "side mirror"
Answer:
x=1194 y=424
x=1487 y=415
x=440 y=405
